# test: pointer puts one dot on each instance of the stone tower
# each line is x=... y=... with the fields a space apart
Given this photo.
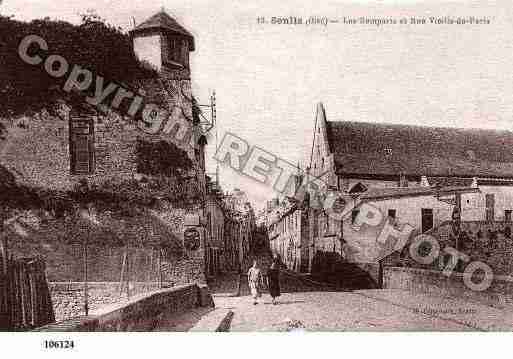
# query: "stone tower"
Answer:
x=164 y=44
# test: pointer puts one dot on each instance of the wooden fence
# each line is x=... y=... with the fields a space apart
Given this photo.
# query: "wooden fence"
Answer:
x=25 y=301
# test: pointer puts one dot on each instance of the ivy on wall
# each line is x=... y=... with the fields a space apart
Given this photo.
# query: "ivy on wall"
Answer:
x=162 y=159
x=123 y=199
x=102 y=48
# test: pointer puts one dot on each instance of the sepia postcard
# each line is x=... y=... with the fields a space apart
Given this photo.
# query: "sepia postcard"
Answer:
x=228 y=166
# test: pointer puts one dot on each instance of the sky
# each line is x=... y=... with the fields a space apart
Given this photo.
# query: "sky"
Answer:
x=269 y=78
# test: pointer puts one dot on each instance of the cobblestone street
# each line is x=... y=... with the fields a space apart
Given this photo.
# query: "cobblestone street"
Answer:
x=305 y=307
x=379 y=310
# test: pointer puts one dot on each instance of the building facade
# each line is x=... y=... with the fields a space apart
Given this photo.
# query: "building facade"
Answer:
x=288 y=234
x=413 y=174
x=230 y=227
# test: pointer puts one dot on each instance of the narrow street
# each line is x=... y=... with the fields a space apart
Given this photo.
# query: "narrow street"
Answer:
x=365 y=310
x=309 y=307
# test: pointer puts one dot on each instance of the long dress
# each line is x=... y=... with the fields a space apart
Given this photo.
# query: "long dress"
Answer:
x=253 y=281
x=273 y=276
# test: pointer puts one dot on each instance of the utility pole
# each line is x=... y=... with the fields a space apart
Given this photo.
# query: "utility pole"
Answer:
x=86 y=286
x=128 y=271
x=85 y=214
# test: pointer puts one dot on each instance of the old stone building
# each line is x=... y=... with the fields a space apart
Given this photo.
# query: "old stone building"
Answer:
x=216 y=236
x=421 y=176
x=140 y=185
x=355 y=156
x=229 y=230
x=288 y=232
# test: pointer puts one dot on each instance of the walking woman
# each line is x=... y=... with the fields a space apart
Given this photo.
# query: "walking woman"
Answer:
x=254 y=278
x=273 y=281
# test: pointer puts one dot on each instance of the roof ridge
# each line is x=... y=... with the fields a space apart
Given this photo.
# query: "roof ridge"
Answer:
x=418 y=126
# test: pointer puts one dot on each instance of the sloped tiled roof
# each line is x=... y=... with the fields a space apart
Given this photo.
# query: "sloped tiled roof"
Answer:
x=162 y=20
x=376 y=193
x=391 y=149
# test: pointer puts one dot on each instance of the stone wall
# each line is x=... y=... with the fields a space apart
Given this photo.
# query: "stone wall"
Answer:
x=184 y=271
x=499 y=294
x=68 y=297
x=37 y=148
x=487 y=242
x=142 y=313
x=60 y=243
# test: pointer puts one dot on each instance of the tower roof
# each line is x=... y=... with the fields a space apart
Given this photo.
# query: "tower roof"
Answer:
x=162 y=21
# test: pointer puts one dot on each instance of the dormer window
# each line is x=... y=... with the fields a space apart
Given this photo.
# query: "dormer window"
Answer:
x=358 y=188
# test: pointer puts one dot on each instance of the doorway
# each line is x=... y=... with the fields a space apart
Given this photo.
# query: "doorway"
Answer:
x=427 y=219
x=490 y=207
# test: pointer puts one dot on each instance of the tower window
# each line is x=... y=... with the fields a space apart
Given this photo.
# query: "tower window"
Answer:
x=177 y=51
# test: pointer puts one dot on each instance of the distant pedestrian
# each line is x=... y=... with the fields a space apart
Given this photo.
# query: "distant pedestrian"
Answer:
x=254 y=278
x=273 y=281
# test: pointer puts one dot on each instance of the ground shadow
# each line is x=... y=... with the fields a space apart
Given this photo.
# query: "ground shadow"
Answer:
x=181 y=322
x=285 y=302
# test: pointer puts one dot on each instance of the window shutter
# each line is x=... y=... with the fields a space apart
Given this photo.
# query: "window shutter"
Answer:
x=82 y=146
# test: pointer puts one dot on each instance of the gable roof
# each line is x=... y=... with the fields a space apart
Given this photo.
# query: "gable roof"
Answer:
x=361 y=148
x=163 y=21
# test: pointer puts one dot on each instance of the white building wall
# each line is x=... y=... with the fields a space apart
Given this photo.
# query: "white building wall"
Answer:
x=148 y=48
x=408 y=210
x=473 y=205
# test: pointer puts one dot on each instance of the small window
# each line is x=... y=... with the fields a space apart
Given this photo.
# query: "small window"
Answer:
x=392 y=213
x=209 y=222
x=354 y=214
x=358 y=188
x=507 y=215
x=176 y=50
x=489 y=206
